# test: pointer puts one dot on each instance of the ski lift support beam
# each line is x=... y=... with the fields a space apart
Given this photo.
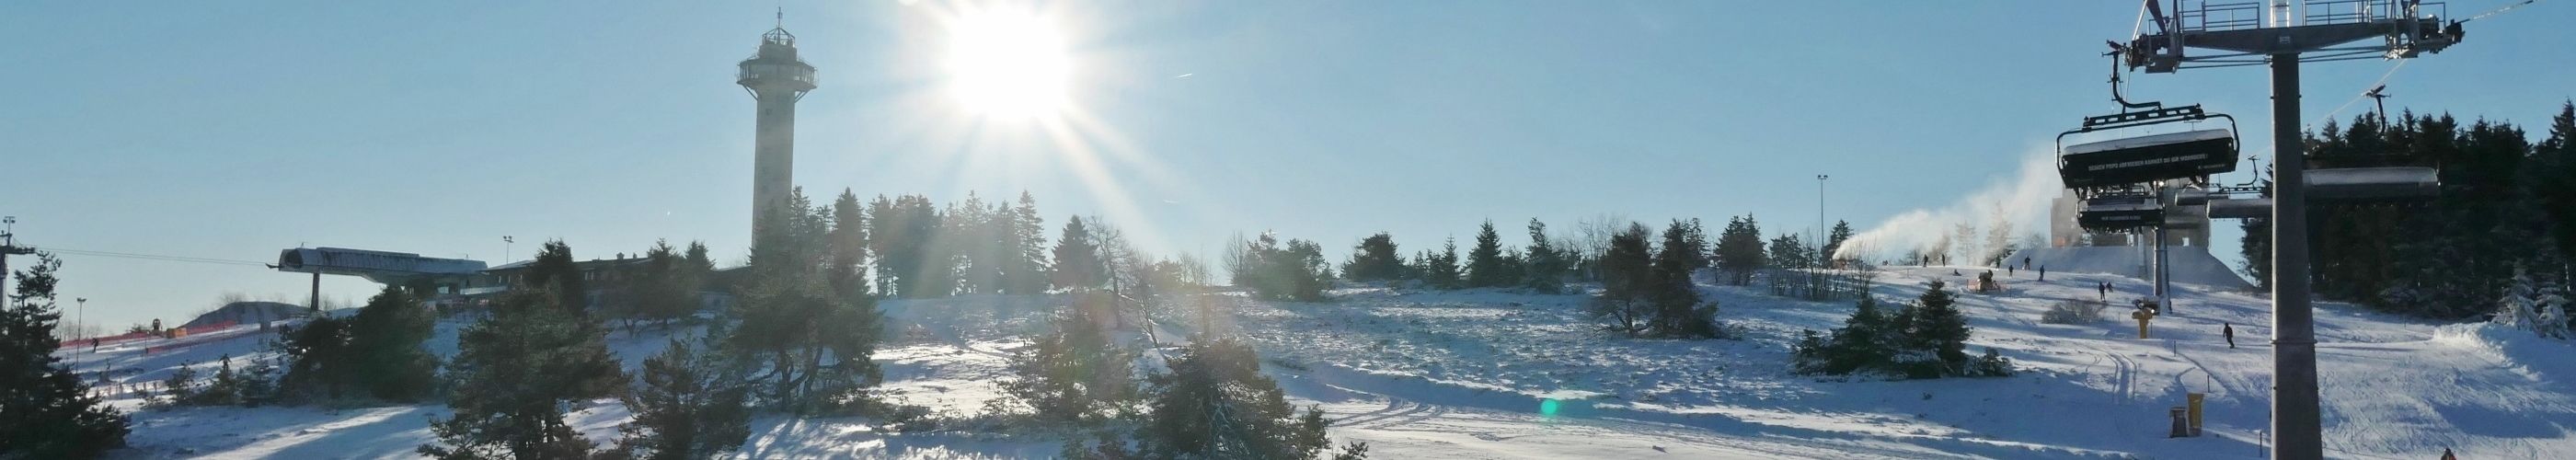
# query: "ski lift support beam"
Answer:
x=2407 y=28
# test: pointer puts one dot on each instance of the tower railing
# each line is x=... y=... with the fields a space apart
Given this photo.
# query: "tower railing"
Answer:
x=2320 y=12
x=2221 y=16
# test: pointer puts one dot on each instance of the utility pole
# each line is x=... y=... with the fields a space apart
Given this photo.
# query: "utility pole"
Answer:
x=2322 y=34
x=84 y=322
x=9 y=247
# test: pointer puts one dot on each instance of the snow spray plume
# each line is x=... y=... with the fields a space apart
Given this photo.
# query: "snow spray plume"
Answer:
x=2021 y=201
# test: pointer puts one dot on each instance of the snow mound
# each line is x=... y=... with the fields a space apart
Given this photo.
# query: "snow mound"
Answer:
x=252 y=312
x=2519 y=350
x=2189 y=266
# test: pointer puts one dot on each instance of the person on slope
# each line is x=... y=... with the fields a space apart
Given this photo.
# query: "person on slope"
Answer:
x=2228 y=330
x=2043 y=273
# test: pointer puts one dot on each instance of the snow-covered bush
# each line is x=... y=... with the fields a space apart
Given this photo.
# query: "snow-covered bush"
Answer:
x=2533 y=306
x=2072 y=312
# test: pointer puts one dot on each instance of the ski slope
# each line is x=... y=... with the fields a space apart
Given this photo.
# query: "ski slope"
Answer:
x=1497 y=374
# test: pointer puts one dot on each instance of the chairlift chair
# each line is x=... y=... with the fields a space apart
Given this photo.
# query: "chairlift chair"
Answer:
x=2120 y=212
x=2194 y=155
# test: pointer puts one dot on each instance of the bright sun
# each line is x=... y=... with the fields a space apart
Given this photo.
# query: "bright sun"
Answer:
x=1007 y=64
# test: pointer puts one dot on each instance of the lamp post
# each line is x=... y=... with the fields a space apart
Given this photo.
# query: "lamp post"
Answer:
x=84 y=322
x=505 y=248
x=1821 y=231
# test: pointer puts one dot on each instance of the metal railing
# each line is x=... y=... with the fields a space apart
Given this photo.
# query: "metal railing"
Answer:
x=2322 y=12
x=2221 y=16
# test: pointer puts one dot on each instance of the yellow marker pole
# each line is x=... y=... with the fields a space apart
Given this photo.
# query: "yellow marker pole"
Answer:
x=2192 y=400
x=2141 y=316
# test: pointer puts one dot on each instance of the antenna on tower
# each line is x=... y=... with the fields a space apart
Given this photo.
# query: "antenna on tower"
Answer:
x=782 y=17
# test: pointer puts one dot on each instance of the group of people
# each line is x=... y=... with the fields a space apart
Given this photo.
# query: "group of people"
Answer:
x=2025 y=265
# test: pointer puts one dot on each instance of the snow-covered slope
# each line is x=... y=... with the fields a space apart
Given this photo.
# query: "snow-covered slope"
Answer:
x=2190 y=265
x=1493 y=374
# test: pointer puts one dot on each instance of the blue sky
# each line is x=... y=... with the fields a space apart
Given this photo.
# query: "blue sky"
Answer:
x=231 y=131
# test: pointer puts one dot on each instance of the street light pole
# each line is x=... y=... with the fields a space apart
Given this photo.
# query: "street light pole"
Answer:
x=84 y=322
x=1821 y=231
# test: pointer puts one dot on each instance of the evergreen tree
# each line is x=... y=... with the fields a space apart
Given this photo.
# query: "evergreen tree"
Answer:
x=2554 y=165
x=1832 y=251
x=1679 y=312
x=1625 y=266
x=1485 y=264
x=1374 y=259
x=1788 y=254
x=1547 y=264
x=901 y=233
x=1440 y=270
x=687 y=404
x=555 y=271
x=697 y=260
x=320 y=361
x=2533 y=305
x=1077 y=259
x=45 y=410
x=1739 y=250
x=1935 y=337
x=1627 y=279
x=1025 y=272
x=848 y=246
x=815 y=343
x=385 y=343
x=1293 y=271
x=1076 y=374
x=515 y=374
x=1215 y=403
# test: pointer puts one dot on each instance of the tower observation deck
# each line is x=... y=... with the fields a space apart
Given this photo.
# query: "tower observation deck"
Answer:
x=776 y=79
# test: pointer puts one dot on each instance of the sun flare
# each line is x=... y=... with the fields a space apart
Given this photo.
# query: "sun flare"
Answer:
x=1007 y=64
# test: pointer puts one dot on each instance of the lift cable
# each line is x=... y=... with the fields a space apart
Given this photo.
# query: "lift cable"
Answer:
x=2401 y=63
x=2356 y=97
x=157 y=257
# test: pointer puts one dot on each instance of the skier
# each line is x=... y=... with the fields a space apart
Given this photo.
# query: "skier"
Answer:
x=2043 y=273
x=2446 y=451
x=2228 y=330
x=2008 y=270
x=2025 y=263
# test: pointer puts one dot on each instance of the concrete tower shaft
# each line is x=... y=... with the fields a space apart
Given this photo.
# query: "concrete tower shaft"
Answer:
x=776 y=80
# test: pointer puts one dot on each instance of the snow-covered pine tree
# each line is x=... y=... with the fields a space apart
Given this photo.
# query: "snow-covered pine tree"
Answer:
x=2531 y=304
x=1934 y=329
